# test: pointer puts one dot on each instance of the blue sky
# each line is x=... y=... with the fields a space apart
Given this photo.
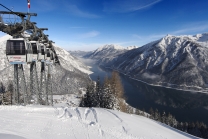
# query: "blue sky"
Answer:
x=88 y=24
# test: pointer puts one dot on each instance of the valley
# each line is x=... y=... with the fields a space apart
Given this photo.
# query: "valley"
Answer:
x=186 y=106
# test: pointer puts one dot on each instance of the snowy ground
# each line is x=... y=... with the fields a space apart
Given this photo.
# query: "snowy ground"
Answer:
x=41 y=122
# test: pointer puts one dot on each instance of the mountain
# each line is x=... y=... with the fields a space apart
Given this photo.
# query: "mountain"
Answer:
x=174 y=61
x=131 y=47
x=79 y=53
x=68 y=77
x=106 y=51
x=41 y=122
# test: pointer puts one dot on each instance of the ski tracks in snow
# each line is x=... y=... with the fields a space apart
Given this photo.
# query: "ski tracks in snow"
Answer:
x=92 y=122
x=96 y=119
x=95 y=114
x=66 y=114
x=89 y=121
x=123 y=127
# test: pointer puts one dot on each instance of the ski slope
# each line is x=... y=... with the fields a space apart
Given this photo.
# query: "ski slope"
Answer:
x=41 y=122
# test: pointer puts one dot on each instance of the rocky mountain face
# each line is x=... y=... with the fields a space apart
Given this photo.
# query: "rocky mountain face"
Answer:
x=68 y=77
x=106 y=51
x=174 y=61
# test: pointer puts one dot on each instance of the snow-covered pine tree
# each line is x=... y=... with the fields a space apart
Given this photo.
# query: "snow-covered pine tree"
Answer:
x=110 y=95
x=107 y=95
x=98 y=93
x=88 y=98
x=151 y=112
x=157 y=115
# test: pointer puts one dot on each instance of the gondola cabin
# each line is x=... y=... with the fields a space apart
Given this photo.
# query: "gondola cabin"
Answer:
x=18 y=51
x=41 y=52
x=34 y=45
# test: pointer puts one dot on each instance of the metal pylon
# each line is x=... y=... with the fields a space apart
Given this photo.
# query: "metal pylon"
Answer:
x=19 y=90
x=16 y=85
x=43 y=94
x=23 y=85
x=49 y=85
x=34 y=86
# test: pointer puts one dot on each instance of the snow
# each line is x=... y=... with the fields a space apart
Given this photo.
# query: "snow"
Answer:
x=199 y=38
x=131 y=47
x=5 y=37
x=69 y=62
x=40 y=122
x=110 y=46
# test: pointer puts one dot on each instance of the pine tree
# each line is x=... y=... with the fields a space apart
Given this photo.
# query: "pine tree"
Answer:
x=169 y=120
x=98 y=93
x=88 y=100
x=137 y=112
x=118 y=92
x=157 y=115
x=163 y=119
x=107 y=95
x=151 y=112
x=185 y=127
x=142 y=113
x=110 y=95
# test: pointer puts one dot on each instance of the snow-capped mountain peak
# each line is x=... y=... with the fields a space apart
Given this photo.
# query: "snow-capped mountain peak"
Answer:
x=201 y=39
x=131 y=47
x=106 y=50
x=110 y=46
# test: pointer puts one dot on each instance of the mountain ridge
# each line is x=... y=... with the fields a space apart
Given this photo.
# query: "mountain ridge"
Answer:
x=173 y=61
x=105 y=51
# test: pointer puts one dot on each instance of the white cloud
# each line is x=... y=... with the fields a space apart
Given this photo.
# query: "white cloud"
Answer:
x=123 y=6
x=44 y=5
x=188 y=29
x=192 y=28
x=90 y=34
x=136 y=36
x=73 y=9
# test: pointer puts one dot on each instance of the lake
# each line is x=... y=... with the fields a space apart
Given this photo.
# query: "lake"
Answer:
x=186 y=106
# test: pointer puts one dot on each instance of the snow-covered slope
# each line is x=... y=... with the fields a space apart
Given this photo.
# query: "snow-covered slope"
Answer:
x=70 y=74
x=70 y=62
x=79 y=53
x=106 y=51
x=3 y=58
x=176 y=61
x=39 y=122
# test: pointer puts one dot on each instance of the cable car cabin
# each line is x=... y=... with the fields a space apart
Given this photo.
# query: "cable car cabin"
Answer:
x=18 y=51
x=35 y=50
x=48 y=56
x=41 y=52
